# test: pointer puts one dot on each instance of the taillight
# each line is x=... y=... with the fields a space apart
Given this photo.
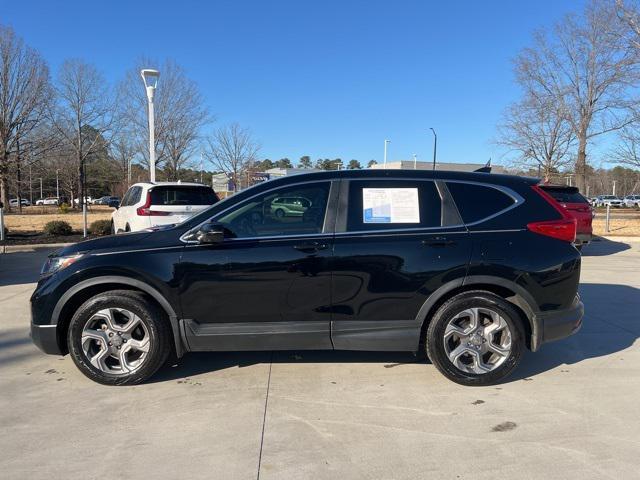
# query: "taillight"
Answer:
x=145 y=210
x=562 y=229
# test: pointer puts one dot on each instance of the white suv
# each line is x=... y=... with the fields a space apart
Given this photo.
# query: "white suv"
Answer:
x=631 y=201
x=147 y=205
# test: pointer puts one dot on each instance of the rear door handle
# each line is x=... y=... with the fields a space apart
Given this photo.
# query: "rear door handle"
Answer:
x=438 y=242
x=310 y=247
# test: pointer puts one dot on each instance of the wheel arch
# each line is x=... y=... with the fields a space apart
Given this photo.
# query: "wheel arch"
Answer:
x=506 y=289
x=82 y=291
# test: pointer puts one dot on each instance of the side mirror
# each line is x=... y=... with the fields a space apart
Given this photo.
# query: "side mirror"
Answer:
x=210 y=233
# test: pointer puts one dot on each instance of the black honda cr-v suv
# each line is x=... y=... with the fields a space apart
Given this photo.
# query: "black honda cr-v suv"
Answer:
x=471 y=268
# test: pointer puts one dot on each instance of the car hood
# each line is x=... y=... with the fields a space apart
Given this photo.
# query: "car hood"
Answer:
x=111 y=243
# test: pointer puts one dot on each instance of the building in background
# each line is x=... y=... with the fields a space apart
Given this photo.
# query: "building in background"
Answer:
x=285 y=172
x=451 y=167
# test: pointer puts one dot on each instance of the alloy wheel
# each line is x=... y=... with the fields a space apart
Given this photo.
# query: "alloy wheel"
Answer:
x=115 y=341
x=477 y=340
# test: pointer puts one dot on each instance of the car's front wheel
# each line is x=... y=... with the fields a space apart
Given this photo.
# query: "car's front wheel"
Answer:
x=119 y=338
x=475 y=338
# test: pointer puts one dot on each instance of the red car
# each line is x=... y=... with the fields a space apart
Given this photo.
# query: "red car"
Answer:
x=577 y=206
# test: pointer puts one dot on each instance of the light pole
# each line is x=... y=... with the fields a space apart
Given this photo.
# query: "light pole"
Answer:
x=30 y=187
x=435 y=146
x=415 y=161
x=150 y=79
x=614 y=188
x=386 y=142
x=41 y=188
x=58 y=186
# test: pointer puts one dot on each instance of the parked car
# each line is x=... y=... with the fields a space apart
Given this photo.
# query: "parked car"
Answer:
x=631 y=201
x=47 y=201
x=13 y=202
x=578 y=207
x=147 y=205
x=290 y=206
x=471 y=268
x=87 y=199
x=611 y=200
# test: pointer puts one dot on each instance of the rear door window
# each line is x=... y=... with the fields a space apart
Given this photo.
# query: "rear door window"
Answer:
x=182 y=195
x=421 y=212
x=476 y=202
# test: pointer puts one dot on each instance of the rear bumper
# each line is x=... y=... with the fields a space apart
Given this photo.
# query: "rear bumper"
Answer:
x=45 y=337
x=583 y=238
x=561 y=323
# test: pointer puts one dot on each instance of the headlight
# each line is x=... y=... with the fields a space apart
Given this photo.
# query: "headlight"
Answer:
x=53 y=264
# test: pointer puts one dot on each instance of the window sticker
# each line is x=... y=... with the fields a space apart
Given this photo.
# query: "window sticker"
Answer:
x=390 y=205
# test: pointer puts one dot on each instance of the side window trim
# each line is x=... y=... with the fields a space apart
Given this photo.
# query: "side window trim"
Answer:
x=326 y=227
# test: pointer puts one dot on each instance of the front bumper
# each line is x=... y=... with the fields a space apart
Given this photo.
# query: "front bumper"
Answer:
x=45 y=337
x=561 y=323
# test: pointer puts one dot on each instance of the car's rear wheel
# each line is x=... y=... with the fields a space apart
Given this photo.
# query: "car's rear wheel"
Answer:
x=279 y=213
x=475 y=338
x=119 y=338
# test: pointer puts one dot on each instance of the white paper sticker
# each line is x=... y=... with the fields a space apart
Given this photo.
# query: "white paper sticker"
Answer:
x=390 y=205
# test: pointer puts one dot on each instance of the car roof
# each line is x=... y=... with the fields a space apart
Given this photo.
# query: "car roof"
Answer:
x=169 y=184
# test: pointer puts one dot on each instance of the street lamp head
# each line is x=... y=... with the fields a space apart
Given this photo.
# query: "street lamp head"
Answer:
x=148 y=76
x=150 y=79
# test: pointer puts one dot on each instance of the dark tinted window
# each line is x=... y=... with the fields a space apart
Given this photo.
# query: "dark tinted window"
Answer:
x=429 y=205
x=476 y=202
x=135 y=195
x=182 y=195
x=296 y=210
x=566 y=195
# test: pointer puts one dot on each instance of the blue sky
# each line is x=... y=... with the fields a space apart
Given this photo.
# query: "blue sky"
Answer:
x=326 y=78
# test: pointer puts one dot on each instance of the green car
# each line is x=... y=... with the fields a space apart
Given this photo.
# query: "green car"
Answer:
x=289 y=206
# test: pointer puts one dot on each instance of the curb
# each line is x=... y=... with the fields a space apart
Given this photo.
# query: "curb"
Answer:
x=31 y=247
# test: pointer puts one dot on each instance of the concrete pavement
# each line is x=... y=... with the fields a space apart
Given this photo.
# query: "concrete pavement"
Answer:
x=569 y=412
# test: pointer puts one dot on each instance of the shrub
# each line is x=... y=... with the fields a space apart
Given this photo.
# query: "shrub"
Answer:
x=64 y=208
x=58 y=227
x=100 y=227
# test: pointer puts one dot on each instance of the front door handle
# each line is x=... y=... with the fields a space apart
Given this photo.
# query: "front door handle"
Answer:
x=438 y=242
x=310 y=247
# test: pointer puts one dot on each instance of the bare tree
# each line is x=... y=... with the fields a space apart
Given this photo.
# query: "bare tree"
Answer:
x=539 y=132
x=82 y=114
x=24 y=90
x=180 y=115
x=585 y=64
x=232 y=149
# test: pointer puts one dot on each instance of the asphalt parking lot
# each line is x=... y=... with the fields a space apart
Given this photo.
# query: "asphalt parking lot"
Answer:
x=570 y=411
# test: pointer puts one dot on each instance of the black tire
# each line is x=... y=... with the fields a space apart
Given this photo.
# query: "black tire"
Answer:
x=153 y=318
x=113 y=228
x=434 y=341
x=279 y=213
x=127 y=228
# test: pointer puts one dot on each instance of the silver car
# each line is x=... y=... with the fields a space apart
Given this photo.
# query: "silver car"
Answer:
x=631 y=201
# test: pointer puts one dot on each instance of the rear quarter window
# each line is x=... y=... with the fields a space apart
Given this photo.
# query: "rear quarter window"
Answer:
x=476 y=202
x=183 y=196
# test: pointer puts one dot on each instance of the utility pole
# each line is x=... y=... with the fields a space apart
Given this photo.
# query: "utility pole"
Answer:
x=58 y=186
x=614 y=188
x=41 y=196
x=435 y=146
x=30 y=187
x=386 y=142
x=415 y=161
x=150 y=79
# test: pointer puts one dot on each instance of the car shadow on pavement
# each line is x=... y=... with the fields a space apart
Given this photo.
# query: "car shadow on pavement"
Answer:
x=205 y=362
x=611 y=325
x=601 y=246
